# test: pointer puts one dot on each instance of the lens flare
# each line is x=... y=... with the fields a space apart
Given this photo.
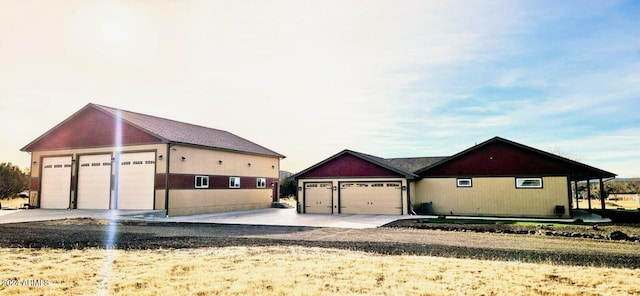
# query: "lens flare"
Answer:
x=112 y=225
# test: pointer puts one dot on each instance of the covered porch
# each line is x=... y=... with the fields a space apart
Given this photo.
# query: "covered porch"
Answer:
x=588 y=187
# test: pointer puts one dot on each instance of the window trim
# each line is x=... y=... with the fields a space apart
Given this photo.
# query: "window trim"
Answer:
x=234 y=182
x=521 y=180
x=458 y=184
x=260 y=184
x=201 y=181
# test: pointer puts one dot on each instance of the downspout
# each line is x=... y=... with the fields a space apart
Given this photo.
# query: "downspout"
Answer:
x=166 y=180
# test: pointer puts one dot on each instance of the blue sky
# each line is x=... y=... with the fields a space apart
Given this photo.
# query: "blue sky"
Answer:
x=311 y=78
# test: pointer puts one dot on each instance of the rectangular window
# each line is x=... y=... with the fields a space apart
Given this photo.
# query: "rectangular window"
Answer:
x=464 y=182
x=528 y=182
x=234 y=182
x=202 y=182
x=261 y=183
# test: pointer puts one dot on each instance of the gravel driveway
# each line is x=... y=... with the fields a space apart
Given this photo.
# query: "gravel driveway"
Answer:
x=87 y=233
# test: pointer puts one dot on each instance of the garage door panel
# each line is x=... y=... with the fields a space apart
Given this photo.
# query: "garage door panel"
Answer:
x=371 y=198
x=136 y=179
x=318 y=198
x=55 y=188
x=94 y=181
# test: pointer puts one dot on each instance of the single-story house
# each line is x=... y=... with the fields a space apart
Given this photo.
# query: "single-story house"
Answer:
x=107 y=158
x=495 y=178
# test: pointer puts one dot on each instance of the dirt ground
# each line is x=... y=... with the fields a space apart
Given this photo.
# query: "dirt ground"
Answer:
x=395 y=239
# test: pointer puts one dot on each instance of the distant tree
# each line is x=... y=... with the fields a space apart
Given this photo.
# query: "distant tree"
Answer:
x=559 y=152
x=615 y=188
x=633 y=186
x=288 y=186
x=12 y=180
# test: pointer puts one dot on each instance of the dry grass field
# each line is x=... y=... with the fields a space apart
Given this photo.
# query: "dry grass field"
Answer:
x=609 y=204
x=13 y=203
x=291 y=271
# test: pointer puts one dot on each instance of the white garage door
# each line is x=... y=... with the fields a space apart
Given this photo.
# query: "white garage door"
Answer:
x=94 y=181
x=371 y=198
x=136 y=181
x=56 y=182
x=318 y=198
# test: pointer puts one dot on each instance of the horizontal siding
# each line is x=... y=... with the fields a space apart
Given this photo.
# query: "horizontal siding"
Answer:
x=493 y=196
x=187 y=181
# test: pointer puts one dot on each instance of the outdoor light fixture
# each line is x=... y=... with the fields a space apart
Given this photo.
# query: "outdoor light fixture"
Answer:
x=160 y=156
x=249 y=164
x=183 y=158
x=299 y=188
x=219 y=161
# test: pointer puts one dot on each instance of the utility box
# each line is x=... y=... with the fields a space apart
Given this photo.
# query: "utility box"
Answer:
x=426 y=208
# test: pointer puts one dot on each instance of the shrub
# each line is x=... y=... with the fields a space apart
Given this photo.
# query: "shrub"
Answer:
x=12 y=180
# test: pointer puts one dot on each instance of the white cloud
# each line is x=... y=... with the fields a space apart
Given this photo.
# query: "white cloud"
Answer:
x=308 y=79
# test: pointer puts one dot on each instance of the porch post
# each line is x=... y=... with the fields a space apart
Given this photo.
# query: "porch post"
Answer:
x=589 y=193
x=575 y=186
x=602 y=194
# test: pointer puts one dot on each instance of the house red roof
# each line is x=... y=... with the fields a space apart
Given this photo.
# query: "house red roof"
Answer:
x=96 y=122
x=354 y=164
x=494 y=157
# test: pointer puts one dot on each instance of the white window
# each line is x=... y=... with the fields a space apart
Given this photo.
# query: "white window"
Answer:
x=528 y=182
x=202 y=182
x=261 y=183
x=464 y=182
x=234 y=182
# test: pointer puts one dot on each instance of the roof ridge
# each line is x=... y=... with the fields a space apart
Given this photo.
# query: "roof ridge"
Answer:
x=156 y=117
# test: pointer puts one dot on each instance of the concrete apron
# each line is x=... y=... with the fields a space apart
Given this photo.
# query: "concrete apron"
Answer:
x=275 y=217
x=31 y=215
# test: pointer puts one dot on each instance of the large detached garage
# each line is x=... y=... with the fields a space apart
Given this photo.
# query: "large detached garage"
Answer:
x=107 y=158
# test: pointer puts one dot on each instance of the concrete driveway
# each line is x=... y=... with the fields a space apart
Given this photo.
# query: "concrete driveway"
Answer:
x=280 y=217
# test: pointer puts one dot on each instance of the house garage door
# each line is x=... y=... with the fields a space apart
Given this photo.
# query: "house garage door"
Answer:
x=94 y=181
x=136 y=173
x=371 y=198
x=56 y=182
x=318 y=198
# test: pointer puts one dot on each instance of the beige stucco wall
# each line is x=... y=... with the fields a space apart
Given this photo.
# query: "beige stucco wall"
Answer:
x=189 y=202
x=493 y=196
x=207 y=162
x=335 y=183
